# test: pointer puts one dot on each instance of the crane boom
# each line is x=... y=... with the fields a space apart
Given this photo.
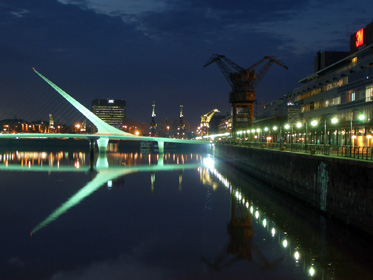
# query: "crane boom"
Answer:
x=265 y=68
x=205 y=121
x=222 y=66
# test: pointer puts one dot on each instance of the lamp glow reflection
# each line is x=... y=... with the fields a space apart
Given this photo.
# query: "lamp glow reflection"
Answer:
x=209 y=162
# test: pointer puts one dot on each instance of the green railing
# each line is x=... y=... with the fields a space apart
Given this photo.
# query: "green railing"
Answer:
x=356 y=152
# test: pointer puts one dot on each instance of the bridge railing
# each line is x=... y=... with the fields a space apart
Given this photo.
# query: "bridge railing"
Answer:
x=357 y=152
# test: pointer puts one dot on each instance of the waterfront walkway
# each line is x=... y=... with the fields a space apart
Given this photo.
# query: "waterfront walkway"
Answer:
x=348 y=152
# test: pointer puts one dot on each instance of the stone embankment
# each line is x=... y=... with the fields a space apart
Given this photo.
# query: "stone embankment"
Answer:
x=341 y=188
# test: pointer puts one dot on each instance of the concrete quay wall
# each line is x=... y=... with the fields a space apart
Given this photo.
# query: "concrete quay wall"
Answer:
x=342 y=188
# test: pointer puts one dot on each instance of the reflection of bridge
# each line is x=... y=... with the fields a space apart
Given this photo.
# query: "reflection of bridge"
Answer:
x=105 y=132
x=105 y=174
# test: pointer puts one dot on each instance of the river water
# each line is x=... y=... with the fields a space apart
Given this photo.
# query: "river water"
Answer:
x=137 y=215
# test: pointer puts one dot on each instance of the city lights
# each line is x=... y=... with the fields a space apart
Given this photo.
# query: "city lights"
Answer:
x=311 y=271
x=314 y=123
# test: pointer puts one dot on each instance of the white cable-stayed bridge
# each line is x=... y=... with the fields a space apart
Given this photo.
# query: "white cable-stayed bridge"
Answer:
x=105 y=132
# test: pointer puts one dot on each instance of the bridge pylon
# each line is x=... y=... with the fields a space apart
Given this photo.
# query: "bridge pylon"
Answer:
x=103 y=128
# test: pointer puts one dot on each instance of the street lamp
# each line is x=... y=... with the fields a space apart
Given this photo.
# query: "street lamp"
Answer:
x=258 y=130
x=314 y=123
x=298 y=125
x=360 y=117
x=287 y=127
x=334 y=121
x=274 y=128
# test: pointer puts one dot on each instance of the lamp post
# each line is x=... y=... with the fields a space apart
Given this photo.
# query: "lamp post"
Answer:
x=275 y=129
x=324 y=132
x=361 y=117
x=258 y=131
x=298 y=125
x=334 y=121
x=314 y=123
x=287 y=127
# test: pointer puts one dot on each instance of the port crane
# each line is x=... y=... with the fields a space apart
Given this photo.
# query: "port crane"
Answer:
x=240 y=246
x=243 y=82
x=205 y=121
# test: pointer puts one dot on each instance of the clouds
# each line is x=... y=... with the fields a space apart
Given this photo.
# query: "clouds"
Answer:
x=156 y=48
x=318 y=26
x=119 y=7
x=294 y=25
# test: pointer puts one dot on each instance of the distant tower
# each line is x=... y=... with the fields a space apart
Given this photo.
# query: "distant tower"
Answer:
x=84 y=126
x=181 y=125
x=51 y=124
x=153 y=124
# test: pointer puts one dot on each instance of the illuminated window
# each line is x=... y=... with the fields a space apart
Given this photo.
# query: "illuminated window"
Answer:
x=352 y=96
x=369 y=93
x=336 y=100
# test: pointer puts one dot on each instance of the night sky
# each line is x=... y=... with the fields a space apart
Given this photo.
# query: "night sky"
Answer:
x=145 y=50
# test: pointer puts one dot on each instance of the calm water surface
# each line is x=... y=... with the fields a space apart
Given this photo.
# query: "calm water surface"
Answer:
x=140 y=216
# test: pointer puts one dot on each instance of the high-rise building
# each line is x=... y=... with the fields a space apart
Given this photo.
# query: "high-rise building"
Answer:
x=112 y=111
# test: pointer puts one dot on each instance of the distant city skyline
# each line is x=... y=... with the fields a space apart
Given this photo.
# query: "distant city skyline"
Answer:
x=155 y=50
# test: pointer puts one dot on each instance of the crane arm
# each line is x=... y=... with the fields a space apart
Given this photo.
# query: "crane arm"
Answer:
x=210 y=114
x=206 y=118
x=260 y=74
x=222 y=66
x=252 y=67
x=232 y=64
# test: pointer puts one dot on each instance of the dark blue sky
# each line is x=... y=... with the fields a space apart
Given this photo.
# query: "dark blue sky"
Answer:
x=145 y=50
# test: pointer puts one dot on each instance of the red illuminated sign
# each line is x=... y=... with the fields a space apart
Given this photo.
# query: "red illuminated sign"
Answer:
x=359 y=37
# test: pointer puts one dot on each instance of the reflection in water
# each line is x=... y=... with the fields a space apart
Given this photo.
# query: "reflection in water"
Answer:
x=240 y=230
x=28 y=159
x=130 y=163
x=100 y=179
x=256 y=234
x=79 y=159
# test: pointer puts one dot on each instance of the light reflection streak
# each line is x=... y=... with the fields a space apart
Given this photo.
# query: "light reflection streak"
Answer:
x=267 y=224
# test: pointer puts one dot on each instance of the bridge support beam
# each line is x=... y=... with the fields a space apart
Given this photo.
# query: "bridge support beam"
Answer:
x=102 y=162
x=102 y=143
x=161 y=147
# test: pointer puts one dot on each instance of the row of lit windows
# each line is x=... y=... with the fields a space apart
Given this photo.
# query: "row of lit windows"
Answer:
x=109 y=111
x=323 y=88
x=321 y=104
x=109 y=114
x=352 y=95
